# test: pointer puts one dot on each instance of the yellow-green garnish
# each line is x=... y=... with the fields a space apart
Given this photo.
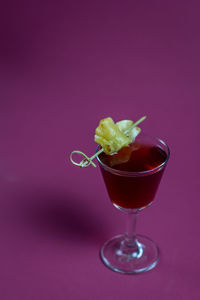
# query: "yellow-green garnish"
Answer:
x=111 y=137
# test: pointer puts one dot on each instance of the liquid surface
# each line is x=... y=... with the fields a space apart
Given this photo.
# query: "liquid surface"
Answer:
x=137 y=157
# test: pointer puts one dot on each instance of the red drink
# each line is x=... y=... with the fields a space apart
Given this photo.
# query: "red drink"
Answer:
x=133 y=174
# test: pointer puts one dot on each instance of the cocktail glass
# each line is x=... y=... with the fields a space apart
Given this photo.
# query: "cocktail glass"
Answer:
x=131 y=192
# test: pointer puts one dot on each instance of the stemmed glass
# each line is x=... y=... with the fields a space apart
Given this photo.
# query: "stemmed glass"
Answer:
x=131 y=192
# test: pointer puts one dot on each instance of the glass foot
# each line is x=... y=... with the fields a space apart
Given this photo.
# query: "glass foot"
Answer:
x=128 y=260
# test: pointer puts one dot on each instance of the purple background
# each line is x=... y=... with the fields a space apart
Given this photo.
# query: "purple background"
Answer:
x=64 y=66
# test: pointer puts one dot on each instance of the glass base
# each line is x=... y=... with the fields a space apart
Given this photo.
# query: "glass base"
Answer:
x=130 y=260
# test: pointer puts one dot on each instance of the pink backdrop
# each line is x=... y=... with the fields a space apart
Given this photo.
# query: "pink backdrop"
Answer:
x=64 y=66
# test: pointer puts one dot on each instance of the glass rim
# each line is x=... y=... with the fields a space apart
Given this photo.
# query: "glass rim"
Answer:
x=139 y=173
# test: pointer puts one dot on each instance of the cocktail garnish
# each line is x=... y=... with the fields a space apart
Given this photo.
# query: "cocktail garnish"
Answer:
x=111 y=137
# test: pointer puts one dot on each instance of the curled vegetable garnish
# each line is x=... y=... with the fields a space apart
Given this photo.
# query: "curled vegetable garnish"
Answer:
x=111 y=137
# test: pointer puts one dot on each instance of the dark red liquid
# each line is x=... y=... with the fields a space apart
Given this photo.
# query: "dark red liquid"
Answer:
x=133 y=191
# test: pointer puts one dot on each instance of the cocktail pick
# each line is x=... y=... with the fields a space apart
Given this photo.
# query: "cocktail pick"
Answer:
x=89 y=160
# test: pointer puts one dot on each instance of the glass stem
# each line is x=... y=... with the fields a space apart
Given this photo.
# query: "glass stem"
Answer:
x=130 y=236
x=130 y=247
